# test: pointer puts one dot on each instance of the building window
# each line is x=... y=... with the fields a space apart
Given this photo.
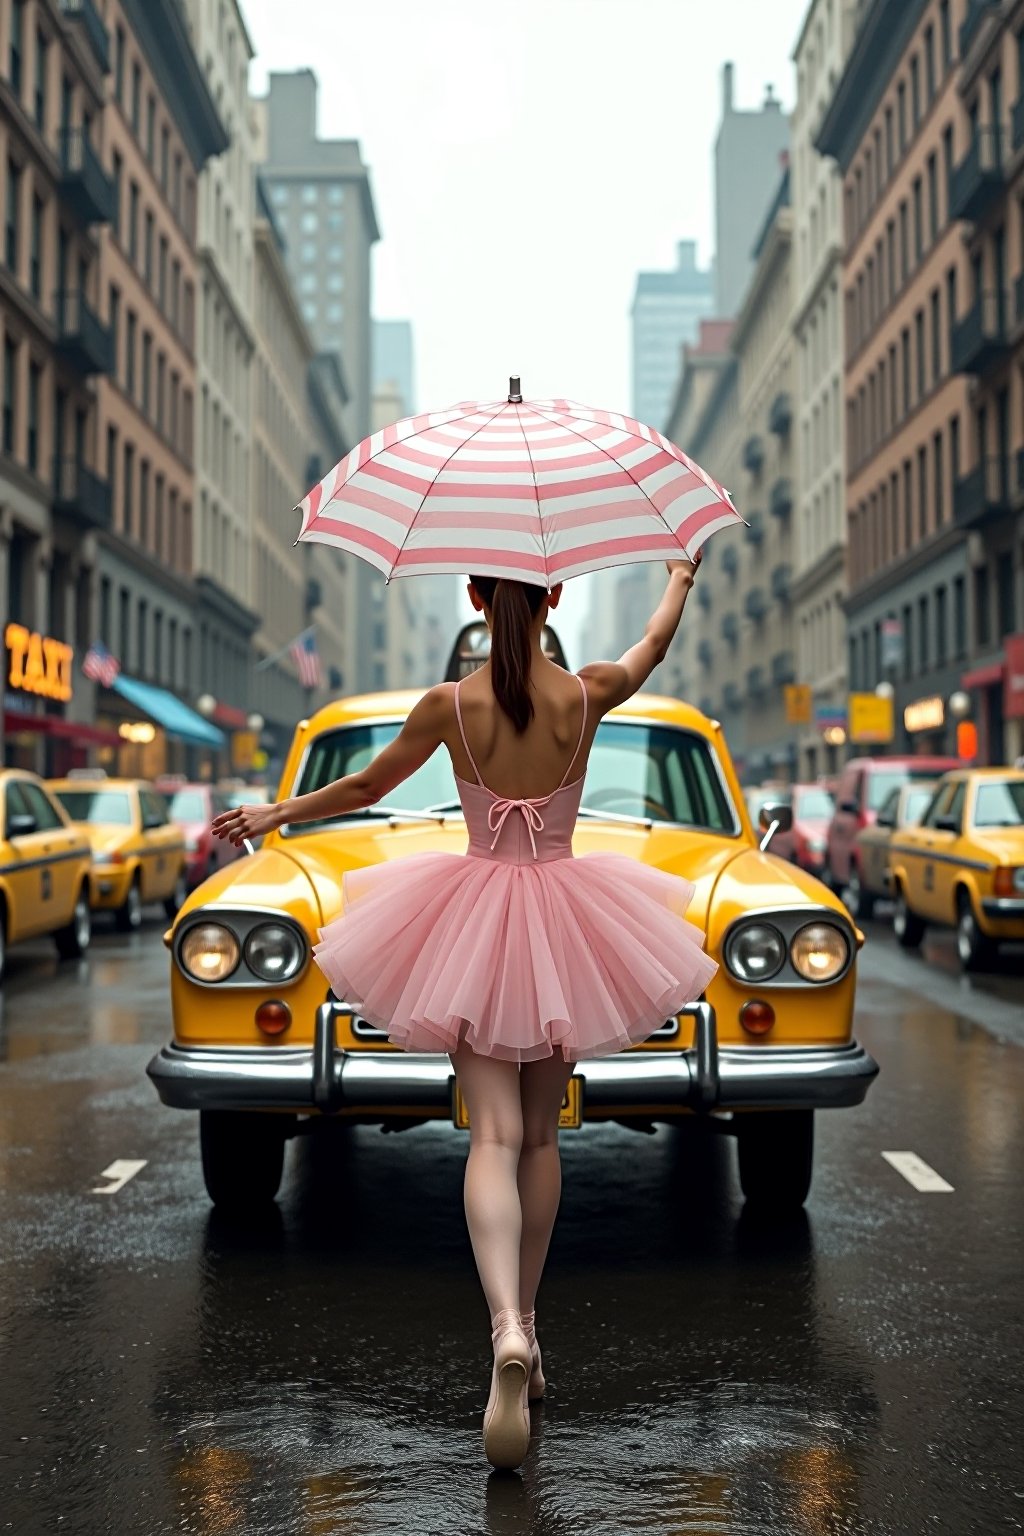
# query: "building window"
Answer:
x=901 y=115
x=308 y=282
x=922 y=491
x=147 y=369
x=115 y=324
x=908 y=641
x=936 y=312
x=136 y=112
x=982 y=627
x=918 y=219
x=933 y=199
x=144 y=502
x=133 y=221
x=125 y=605
x=310 y=193
x=161 y=390
x=954 y=449
x=151 y=129
x=13 y=205
x=929 y=62
x=141 y=659
x=309 y=223
x=14 y=71
x=1005 y=605
x=904 y=242
x=118 y=174
x=959 y=618
x=40 y=82
x=111 y=457
x=309 y=312
x=908 y=504
x=923 y=648
x=308 y=251
x=147 y=250
x=335 y=313
x=158 y=539
x=35 y=266
x=119 y=42
x=335 y=219
x=35 y=374
x=946 y=32
x=161 y=274
x=915 y=92
x=905 y=368
x=129 y=363
x=919 y=349
x=939 y=477
x=165 y=156
x=129 y=488
x=940 y=627
x=10 y=392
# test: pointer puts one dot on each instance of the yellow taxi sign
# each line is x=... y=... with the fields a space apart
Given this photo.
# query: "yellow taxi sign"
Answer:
x=872 y=717
x=570 y=1116
x=799 y=703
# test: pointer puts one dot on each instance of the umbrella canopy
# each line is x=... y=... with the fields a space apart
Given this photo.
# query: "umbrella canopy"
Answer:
x=537 y=490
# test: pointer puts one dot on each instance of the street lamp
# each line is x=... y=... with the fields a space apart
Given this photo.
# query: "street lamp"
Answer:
x=959 y=704
x=206 y=704
x=255 y=722
x=885 y=690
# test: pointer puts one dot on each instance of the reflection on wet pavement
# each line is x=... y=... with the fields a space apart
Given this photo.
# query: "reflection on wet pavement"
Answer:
x=324 y=1369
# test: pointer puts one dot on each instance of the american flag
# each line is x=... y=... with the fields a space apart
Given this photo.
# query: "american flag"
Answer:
x=99 y=665
x=307 y=658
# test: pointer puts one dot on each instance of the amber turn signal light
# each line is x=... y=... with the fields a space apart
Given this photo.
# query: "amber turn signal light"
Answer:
x=757 y=1018
x=273 y=1018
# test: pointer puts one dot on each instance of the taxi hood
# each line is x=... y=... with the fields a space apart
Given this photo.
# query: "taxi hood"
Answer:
x=270 y=877
x=105 y=837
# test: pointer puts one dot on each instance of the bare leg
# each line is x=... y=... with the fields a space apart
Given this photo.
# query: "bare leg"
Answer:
x=542 y=1088
x=493 y=1212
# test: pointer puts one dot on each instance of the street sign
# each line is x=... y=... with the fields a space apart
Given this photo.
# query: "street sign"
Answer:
x=243 y=748
x=799 y=703
x=872 y=718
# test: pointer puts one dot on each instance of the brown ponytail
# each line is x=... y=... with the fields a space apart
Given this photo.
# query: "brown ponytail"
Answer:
x=513 y=605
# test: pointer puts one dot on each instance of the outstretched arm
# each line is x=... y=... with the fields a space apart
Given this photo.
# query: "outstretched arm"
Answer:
x=613 y=682
x=421 y=734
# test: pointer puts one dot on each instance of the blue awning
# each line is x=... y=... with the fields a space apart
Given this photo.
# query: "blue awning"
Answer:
x=175 y=717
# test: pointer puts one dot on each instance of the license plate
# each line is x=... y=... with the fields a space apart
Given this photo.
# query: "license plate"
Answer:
x=570 y=1116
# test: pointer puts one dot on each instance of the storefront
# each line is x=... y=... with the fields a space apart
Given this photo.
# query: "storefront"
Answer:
x=40 y=733
x=996 y=692
x=154 y=733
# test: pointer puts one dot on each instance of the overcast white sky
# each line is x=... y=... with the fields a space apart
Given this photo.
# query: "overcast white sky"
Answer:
x=527 y=160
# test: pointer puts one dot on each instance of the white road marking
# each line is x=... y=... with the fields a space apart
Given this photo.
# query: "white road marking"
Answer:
x=121 y=1170
x=917 y=1172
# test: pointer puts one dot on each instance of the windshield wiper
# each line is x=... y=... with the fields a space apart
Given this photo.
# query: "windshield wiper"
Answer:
x=443 y=808
x=631 y=821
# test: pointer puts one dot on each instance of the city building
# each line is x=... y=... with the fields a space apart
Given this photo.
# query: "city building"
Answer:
x=666 y=314
x=54 y=494
x=286 y=593
x=758 y=559
x=987 y=191
x=321 y=195
x=161 y=128
x=747 y=150
x=393 y=362
x=705 y=422
x=330 y=571
x=222 y=506
x=898 y=128
x=818 y=583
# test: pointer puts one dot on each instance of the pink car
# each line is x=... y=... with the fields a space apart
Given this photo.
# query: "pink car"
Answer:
x=806 y=842
x=193 y=807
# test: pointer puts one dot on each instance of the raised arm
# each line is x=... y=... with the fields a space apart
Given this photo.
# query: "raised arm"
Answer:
x=613 y=682
x=422 y=733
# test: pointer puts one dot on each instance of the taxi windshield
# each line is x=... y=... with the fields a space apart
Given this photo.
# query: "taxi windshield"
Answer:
x=641 y=772
x=106 y=807
x=1000 y=804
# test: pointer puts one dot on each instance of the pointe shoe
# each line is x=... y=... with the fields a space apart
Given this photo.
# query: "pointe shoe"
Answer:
x=536 y=1384
x=507 y=1417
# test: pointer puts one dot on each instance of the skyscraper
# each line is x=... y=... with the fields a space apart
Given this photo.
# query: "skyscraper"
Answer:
x=667 y=311
x=747 y=166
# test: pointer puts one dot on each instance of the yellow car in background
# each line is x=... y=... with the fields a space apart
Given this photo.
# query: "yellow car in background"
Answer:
x=870 y=877
x=138 y=853
x=963 y=865
x=261 y=1047
x=44 y=869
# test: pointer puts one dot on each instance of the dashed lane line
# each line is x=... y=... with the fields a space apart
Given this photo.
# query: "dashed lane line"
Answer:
x=917 y=1172
x=121 y=1170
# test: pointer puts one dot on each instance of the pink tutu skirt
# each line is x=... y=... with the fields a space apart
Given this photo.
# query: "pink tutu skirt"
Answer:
x=584 y=955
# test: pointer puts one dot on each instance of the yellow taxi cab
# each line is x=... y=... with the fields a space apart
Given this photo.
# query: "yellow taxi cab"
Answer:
x=870 y=876
x=44 y=869
x=963 y=864
x=138 y=853
x=263 y=1050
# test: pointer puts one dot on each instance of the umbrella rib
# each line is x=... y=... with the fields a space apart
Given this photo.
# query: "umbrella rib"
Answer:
x=458 y=447
x=536 y=492
x=611 y=457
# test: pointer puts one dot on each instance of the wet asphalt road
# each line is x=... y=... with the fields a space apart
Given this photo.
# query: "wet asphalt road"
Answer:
x=325 y=1370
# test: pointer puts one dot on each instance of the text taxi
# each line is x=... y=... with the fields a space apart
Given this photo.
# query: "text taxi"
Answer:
x=259 y=1041
x=963 y=864
x=138 y=853
x=44 y=869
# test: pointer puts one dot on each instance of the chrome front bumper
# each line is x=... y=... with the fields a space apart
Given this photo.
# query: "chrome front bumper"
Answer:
x=371 y=1083
x=1003 y=907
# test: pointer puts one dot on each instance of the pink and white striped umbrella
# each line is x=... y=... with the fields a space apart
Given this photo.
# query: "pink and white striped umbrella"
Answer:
x=539 y=490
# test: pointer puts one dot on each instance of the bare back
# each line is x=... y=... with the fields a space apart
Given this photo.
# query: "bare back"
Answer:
x=534 y=763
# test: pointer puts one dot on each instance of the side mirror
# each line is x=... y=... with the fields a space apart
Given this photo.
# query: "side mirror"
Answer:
x=947 y=824
x=774 y=817
x=849 y=807
x=21 y=824
x=885 y=821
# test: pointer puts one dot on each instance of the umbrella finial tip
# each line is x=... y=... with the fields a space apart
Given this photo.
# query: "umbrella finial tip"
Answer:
x=514 y=389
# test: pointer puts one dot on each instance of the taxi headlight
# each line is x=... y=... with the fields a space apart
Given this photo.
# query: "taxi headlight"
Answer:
x=819 y=952
x=756 y=952
x=209 y=952
x=274 y=952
